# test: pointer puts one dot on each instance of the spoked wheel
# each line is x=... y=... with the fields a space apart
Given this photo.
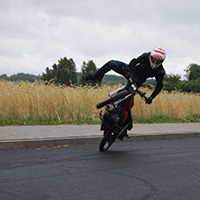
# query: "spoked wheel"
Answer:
x=107 y=141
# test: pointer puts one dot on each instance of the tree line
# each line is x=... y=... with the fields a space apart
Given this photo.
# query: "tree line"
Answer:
x=65 y=72
x=190 y=84
x=20 y=77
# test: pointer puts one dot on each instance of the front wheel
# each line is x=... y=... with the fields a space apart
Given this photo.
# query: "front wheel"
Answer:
x=107 y=141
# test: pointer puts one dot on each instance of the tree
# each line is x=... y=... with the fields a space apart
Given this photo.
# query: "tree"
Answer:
x=63 y=73
x=87 y=69
x=172 y=82
x=193 y=72
x=4 y=76
x=190 y=86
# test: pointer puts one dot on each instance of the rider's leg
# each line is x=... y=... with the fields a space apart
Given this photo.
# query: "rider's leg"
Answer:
x=127 y=118
x=116 y=66
x=130 y=121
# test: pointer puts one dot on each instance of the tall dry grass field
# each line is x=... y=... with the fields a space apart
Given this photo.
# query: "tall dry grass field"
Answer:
x=37 y=101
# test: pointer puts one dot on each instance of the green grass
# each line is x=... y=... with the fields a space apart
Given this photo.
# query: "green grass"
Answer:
x=154 y=119
x=21 y=122
x=160 y=119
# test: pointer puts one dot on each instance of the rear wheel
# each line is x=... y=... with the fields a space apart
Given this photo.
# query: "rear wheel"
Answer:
x=107 y=141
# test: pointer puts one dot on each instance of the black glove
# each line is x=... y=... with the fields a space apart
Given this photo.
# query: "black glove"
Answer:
x=149 y=100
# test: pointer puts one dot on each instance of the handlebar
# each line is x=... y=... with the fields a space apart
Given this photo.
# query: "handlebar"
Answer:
x=133 y=89
x=142 y=95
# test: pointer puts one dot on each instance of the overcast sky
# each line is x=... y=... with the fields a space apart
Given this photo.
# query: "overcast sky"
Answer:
x=37 y=33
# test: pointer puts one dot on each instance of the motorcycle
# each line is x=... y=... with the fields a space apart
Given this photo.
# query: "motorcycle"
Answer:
x=117 y=119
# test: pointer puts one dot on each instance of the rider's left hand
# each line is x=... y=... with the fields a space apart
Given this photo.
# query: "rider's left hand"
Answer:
x=149 y=100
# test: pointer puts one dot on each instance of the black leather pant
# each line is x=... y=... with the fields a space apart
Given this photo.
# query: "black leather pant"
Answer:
x=116 y=66
x=119 y=67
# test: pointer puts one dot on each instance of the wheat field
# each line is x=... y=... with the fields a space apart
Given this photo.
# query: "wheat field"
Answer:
x=38 y=101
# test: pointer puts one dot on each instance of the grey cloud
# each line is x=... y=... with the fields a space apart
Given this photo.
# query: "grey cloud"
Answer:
x=181 y=11
x=38 y=33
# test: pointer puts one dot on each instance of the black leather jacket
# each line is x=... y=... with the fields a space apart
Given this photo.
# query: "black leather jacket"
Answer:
x=141 y=67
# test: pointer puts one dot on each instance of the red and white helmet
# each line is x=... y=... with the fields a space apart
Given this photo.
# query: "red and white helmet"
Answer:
x=157 y=56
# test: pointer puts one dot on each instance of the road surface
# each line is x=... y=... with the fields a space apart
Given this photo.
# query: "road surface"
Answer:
x=168 y=169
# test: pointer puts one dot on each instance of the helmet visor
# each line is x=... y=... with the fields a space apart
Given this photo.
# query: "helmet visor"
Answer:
x=156 y=60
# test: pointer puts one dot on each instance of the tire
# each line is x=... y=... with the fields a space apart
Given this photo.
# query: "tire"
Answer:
x=121 y=95
x=106 y=142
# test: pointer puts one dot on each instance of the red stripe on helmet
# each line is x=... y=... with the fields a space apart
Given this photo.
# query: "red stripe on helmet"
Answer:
x=158 y=51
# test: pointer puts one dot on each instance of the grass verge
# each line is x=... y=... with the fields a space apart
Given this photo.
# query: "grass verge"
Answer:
x=139 y=120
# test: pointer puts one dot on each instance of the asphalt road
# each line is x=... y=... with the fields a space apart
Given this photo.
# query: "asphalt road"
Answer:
x=167 y=169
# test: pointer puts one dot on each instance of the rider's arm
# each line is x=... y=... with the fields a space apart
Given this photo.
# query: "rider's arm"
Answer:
x=159 y=85
x=137 y=60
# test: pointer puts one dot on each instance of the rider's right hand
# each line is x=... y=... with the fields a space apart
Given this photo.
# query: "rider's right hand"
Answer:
x=149 y=100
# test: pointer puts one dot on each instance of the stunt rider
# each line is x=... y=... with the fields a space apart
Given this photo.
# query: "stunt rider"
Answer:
x=139 y=69
x=147 y=65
